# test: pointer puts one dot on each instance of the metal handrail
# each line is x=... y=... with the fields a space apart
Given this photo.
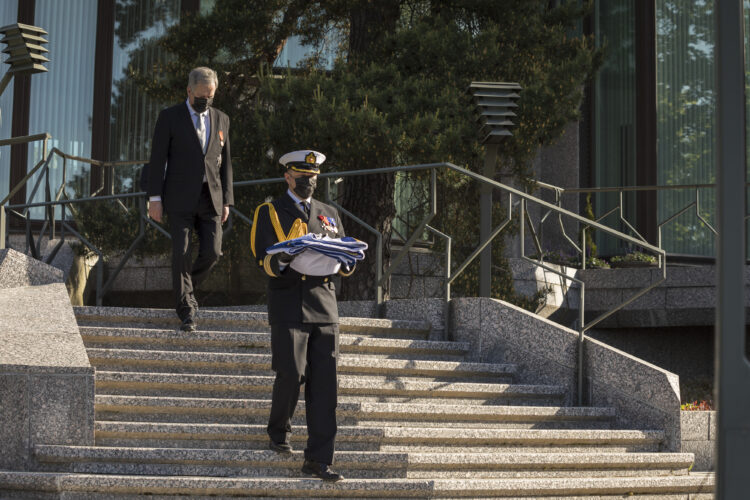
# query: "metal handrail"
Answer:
x=25 y=140
x=559 y=191
x=615 y=189
x=381 y=276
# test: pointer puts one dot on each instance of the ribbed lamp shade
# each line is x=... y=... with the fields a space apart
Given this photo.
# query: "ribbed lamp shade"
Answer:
x=24 y=47
x=494 y=103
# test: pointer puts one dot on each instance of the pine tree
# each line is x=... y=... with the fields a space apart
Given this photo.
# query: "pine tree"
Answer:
x=395 y=96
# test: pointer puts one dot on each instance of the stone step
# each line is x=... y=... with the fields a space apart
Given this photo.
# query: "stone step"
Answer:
x=223 y=320
x=603 y=488
x=225 y=410
x=211 y=385
x=260 y=342
x=213 y=362
x=450 y=439
x=372 y=464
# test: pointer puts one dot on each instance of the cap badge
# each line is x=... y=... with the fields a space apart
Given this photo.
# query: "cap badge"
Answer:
x=310 y=158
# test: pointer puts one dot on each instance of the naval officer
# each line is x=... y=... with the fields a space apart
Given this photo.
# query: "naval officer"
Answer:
x=302 y=312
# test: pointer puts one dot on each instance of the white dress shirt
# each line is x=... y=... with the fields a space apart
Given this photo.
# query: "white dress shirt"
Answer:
x=297 y=199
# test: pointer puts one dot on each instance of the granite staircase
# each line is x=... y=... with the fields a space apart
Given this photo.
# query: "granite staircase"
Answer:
x=181 y=414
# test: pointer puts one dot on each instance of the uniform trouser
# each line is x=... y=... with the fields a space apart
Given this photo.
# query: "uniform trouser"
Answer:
x=305 y=353
x=187 y=275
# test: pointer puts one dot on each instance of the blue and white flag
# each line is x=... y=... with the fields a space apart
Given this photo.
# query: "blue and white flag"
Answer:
x=332 y=253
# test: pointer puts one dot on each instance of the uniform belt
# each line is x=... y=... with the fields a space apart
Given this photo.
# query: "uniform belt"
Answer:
x=311 y=280
x=315 y=280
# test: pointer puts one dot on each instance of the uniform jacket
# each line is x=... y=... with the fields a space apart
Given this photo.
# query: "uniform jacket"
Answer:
x=294 y=297
x=176 y=145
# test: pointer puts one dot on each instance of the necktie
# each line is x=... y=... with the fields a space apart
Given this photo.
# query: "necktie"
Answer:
x=305 y=208
x=201 y=130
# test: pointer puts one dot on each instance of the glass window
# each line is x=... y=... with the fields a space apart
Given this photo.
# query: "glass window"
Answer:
x=412 y=200
x=8 y=15
x=686 y=112
x=615 y=112
x=62 y=99
x=133 y=116
x=295 y=53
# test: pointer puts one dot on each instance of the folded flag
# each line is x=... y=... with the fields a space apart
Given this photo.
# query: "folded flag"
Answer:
x=347 y=250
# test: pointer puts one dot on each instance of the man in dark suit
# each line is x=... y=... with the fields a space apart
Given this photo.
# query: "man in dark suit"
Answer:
x=302 y=311
x=189 y=177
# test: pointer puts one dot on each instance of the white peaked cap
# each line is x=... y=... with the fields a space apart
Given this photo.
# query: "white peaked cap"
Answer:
x=303 y=156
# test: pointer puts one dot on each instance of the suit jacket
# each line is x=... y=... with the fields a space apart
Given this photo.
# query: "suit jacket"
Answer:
x=294 y=297
x=177 y=147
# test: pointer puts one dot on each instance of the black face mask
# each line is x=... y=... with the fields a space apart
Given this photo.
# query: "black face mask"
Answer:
x=304 y=186
x=201 y=104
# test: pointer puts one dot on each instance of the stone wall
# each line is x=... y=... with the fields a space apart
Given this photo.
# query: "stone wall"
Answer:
x=149 y=280
x=46 y=381
x=644 y=396
x=699 y=437
x=686 y=298
x=556 y=164
x=420 y=275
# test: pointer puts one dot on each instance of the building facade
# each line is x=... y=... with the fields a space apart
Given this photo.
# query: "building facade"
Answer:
x=649 y=117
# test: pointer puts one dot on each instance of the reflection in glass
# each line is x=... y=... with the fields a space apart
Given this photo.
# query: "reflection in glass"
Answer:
x=615 y=111
x=686 y=111
x=62 y=99
x=8 y=15
x=294 y=53
x=137 y=27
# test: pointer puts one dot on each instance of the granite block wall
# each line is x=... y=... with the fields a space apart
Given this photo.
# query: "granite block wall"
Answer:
x=419 y=275
x=46 y=380
x=431 y=310
x=699 y=437
x=645 y=396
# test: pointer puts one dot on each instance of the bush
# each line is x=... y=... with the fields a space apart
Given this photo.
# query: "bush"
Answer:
x=633 y=258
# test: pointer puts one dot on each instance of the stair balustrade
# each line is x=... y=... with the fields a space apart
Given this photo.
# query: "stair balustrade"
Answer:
x=515 y=199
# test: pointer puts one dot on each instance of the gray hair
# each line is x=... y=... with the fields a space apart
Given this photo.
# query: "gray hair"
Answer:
x=203 y=76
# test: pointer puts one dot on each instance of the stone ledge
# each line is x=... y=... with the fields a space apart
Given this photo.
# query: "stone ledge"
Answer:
x=18 y=270
x=244 y=318
x=686 y=298
x=453 y=487
x=46 y=380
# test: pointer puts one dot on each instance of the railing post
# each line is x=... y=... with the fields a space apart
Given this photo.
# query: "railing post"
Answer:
x=2 y=227
x=485 y=221
x=581 y=318
x=732 y=368
x=581 y=341
x=100 y=280
x=447 y=305
x=379 y=276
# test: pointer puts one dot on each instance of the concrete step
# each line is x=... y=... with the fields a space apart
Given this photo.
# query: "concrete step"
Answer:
x=256 y=342
x=225 y=410
x=395 y=387
x=403 y=439
x=372 y=464
x=238 y=320
x=218 y=362
x=695 y=486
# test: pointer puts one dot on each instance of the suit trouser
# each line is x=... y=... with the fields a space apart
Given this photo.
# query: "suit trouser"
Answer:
x=305 y=353
x=187 y=275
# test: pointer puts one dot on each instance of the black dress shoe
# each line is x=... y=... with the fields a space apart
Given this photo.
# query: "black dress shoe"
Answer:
x=321 y=471
x=282 y=448
x=188 y=325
